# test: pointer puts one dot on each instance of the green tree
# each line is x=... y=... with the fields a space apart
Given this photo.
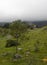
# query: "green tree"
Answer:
x=17 y=29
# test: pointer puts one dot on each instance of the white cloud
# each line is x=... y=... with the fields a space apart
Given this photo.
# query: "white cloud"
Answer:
x=31 y=9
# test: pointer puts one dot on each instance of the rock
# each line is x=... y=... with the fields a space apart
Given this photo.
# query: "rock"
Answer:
x=17 y=56
x=19 y=49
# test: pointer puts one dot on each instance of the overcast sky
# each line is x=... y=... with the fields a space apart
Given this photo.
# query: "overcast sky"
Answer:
x=23 y=9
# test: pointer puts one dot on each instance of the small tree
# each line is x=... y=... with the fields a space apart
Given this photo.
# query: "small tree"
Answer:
x=17 y=29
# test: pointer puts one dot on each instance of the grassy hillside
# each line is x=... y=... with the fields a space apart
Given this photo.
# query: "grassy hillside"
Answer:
x=32 y=37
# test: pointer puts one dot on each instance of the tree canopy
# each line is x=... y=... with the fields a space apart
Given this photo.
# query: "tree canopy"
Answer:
x=17 y=28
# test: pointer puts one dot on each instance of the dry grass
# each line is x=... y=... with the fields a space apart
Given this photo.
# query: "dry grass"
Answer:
x=45 y=59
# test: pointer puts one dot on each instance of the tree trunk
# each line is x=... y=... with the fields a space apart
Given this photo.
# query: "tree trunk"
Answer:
x=16 y=49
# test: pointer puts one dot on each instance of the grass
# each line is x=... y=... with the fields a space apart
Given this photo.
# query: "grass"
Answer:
x=31 y=38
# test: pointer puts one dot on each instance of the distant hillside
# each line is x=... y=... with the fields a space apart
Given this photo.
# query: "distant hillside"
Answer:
x=39 y=23
x=3 y=23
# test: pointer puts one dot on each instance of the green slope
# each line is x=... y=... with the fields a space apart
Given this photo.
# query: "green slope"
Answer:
x=31 y=38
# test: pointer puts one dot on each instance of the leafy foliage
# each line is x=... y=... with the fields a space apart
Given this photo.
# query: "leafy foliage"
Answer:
x=18 y=28
x=11 y=43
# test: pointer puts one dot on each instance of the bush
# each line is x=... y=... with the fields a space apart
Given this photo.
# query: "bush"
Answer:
x=11 y=43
